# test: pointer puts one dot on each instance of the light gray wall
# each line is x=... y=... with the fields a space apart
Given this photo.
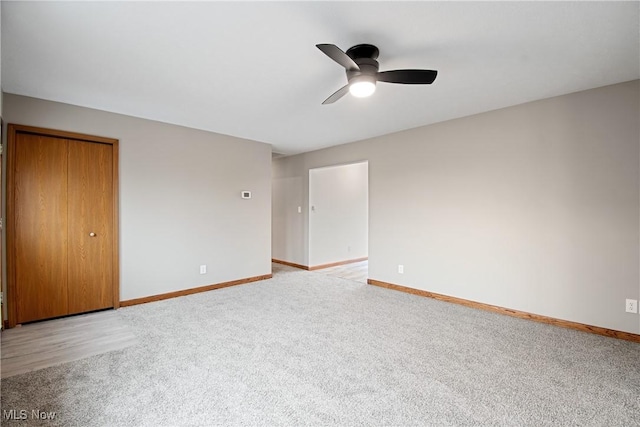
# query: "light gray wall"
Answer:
x=289 y=234
x=338 y=219
x=533 y=207
x=288 y=228
x=180 y=203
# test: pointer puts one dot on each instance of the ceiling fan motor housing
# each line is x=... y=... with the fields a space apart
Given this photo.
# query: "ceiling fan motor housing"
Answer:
x=367 y=66
x=363 y=51
x=365 y=56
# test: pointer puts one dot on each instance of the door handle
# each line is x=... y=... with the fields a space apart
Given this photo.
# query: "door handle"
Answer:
x=92 y=234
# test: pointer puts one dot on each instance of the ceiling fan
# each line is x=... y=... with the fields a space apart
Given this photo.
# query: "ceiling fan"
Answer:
x=362 y=71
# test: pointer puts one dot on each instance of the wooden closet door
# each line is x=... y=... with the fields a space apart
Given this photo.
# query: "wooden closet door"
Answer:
x=91 y=231
x=40 y=216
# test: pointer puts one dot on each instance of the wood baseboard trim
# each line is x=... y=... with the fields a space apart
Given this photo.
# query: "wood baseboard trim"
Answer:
x=627 y=336
x=184 y=292
x=290 y=264
x=318 y=267
x=334 y=264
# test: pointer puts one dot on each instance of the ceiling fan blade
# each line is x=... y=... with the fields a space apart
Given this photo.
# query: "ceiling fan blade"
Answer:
x=337 y=95
x=408 y=77
x=335 y=53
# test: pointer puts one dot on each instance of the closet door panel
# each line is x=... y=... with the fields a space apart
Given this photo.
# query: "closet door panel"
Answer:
x=40 y=216
x=91 y=239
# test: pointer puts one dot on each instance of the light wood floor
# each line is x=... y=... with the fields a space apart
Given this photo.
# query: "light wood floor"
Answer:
x=356 y=271
x=39 y=345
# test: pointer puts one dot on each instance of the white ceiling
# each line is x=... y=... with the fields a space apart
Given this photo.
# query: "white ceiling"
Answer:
x=251 y=69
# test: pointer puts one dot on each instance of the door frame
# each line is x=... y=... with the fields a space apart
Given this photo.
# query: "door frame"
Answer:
x=12 y=133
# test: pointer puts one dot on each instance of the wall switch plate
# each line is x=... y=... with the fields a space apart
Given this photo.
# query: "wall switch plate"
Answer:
x=203 y=269
x=299 y=209
x=400 y=268
x=631 y=306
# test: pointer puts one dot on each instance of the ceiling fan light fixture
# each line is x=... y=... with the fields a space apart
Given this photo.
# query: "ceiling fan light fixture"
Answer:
x=362 y=86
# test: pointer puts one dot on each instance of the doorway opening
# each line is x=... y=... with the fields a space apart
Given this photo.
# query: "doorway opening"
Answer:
x=339 y=220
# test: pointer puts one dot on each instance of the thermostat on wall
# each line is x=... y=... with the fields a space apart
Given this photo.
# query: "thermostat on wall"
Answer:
x=246 y=194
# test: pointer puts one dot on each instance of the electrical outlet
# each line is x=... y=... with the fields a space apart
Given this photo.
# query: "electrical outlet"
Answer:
x=203 y=269
x=631 y=306
x=400 y=268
